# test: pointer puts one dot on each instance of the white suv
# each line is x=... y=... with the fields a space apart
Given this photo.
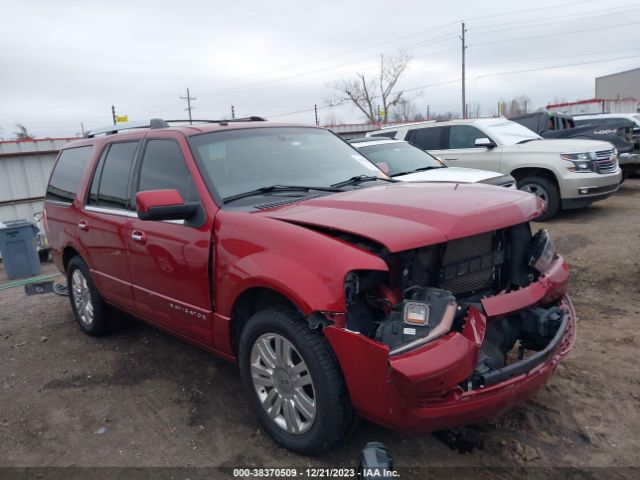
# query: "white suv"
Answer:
x=565 y=173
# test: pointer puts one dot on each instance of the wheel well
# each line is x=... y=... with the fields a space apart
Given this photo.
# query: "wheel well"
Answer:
x=522 y=173
x=249 y=302
x=67 y=255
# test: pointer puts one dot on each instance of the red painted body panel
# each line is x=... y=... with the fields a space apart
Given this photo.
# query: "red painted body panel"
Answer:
x=417 y=391
x=425 y=214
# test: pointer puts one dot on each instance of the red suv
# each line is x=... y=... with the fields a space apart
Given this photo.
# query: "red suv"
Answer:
x=336 y=290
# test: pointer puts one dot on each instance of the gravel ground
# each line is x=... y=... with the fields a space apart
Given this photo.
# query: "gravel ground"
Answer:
x=142 y=398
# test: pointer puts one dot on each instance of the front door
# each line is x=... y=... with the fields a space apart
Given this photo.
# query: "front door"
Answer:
x=170 y=259
x=462 y=152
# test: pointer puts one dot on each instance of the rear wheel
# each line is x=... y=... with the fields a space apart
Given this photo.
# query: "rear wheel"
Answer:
x=88 y=307
x=547 y=191
x=293 y=381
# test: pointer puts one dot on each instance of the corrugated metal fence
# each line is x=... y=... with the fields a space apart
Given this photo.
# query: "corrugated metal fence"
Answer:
x=25 y=166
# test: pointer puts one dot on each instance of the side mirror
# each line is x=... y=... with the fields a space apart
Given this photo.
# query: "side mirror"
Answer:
x=163 y=205
x=485 y=142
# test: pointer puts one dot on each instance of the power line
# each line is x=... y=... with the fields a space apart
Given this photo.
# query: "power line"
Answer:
x=572 y=17
x=554 y=23
x=548 y=35
x=527 y=70
x=515 y=12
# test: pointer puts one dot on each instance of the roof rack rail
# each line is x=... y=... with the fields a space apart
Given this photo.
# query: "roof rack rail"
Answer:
x=111 y=129
x=160 y=123
x=252 y=118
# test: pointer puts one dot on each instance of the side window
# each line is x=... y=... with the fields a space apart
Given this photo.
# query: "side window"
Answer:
x=67 y=173
x=95 y=182
x=386 y=133
x=164 y=167
x=464 y=136
x=113 y=172
x=427 y=138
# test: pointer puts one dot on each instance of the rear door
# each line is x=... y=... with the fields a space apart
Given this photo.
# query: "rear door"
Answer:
x=103 y=223
x=431 y=139
x=170 y=260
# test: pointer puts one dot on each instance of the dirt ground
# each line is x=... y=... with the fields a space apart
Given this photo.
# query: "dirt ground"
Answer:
x=141 y=398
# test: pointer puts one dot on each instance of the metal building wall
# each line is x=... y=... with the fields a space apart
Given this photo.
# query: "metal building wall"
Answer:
x=623 y=84
x=25 y=166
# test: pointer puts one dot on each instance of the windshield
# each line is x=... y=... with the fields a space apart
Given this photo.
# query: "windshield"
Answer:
x=239 y=161
x=400 y=157
x=510 y=133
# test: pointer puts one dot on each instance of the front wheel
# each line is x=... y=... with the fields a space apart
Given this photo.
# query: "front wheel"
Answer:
x=547 y=191
x=293 y=381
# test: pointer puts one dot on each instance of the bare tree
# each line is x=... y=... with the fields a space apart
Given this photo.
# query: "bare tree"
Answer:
x=524 y=101
x=22 y=133
x=443 y=117
x=332 y=119
x=370 y=94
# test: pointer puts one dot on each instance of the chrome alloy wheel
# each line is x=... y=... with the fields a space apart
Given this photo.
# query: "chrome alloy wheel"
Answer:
x=283 y=383
x=536 y=190
x=82 y=297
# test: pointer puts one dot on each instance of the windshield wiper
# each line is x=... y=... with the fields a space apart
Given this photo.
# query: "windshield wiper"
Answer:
x=527 y=140
x=275 y=189
x=359 y=179
x=421 y=169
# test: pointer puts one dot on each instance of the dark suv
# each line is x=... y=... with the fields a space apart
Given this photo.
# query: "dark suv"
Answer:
x=337 y=290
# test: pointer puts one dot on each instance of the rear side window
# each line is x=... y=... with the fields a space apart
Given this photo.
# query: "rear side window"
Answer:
x=427 y=138
x=387 y=134
x=67 y=173
x=164 y=167
x=110 y=185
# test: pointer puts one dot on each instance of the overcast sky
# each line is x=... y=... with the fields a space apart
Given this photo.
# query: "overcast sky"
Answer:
x=64 y=62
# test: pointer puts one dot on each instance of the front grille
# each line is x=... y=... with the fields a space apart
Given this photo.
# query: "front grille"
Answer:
x=606 y=162
x=472 y=264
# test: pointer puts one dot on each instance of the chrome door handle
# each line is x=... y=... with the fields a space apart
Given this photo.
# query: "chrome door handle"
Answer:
x=138 y=236
x=82 y=225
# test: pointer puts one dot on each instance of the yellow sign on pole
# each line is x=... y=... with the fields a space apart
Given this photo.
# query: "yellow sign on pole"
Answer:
x=122 y=119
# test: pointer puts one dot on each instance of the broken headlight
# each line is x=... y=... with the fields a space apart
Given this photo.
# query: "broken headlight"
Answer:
x=541 y=252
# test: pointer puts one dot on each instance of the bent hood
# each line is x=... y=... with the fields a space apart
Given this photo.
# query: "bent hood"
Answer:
x=450 y=174
x=553 y=145
x=404 y=216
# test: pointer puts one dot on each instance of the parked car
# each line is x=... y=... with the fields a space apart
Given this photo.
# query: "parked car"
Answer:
x=403 y=161
x=606 y=121
x=418 y=306
x=563 y=173
x=617 y=131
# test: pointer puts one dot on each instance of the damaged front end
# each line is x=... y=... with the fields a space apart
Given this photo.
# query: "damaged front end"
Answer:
x=456 y=332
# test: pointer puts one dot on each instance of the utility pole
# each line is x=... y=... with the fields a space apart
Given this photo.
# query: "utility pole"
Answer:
x=113 y=114
x=464 y=93
x=188 y=98
x=315 y=109
x=233 y=112
x=428 y=112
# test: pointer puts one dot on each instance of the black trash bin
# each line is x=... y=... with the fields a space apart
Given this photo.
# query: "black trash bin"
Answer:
x=18 y=246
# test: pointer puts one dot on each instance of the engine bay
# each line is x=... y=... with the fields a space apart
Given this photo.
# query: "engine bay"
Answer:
x=427 y=293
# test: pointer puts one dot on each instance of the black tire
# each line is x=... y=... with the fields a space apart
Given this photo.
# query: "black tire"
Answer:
x=99 y=324
x=545 y=188
x=333 y=412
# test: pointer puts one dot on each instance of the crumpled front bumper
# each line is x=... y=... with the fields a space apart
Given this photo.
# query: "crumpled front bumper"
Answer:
x=418 y=391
